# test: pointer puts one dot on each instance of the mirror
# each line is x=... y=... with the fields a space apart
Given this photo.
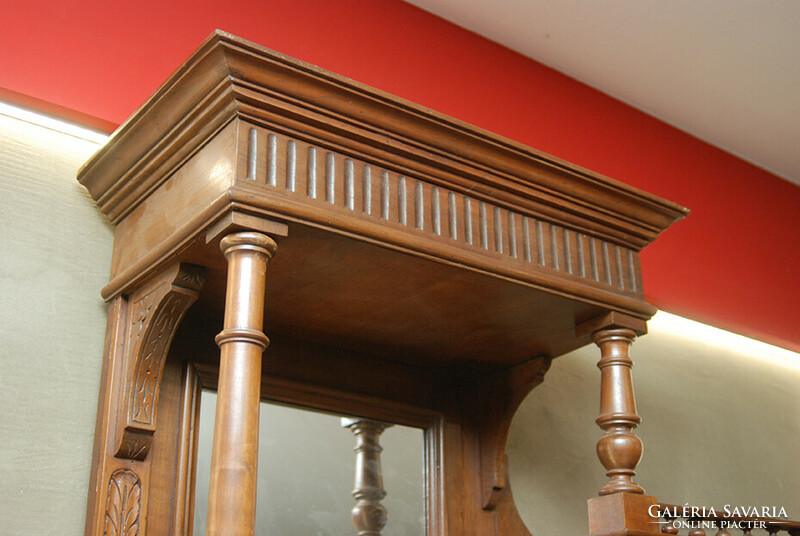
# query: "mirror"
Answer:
x=307 y=469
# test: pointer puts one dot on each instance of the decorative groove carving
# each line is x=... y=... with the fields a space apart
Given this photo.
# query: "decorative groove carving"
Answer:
x=419 y=210
x=252 y=153
x=366 y=179
x=272 y=160
x=498 y=230
x=620 y=271
x=482 y=224
x=348 y=185
x=401 y=200
x=606 y=263
x=567 y=251
x=330 y=184
x=554 y=247
x=123 y=504
x=540 y=243
x=512 y=235
x=311 y=190
x=632 y=271
x=436 y=220
x=291 y=165
x=384 y=195
x=526 y=240
x=468 y=220
x=157 y=310
x=452 y=217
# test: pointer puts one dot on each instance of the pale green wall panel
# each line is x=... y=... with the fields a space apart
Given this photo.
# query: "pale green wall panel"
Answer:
x=720 y=425
x=55 y=251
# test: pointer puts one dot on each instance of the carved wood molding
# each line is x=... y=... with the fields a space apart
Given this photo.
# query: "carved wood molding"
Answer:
x=534 y=218
x=414 y=202
x=156 y=311
x=499 y=397
x=229 y=76
x=123 y=504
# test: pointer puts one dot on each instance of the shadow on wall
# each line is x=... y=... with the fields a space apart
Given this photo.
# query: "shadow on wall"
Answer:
x=55 y=254
x=720 y=421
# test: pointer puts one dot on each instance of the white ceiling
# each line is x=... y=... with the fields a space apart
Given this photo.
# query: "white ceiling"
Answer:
x=727 y=72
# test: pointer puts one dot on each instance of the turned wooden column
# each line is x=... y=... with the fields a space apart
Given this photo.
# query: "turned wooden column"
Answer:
x=234 y=458
x=369 y=515
x=619 y=449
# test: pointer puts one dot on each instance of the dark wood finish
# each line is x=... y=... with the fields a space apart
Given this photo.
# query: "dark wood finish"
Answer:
x=185 y=469
x=234 y=455
x=498 y=396
x=156 y=310
x=428 y=273
x=622 y=514
x=619 y=449
x=369 y=515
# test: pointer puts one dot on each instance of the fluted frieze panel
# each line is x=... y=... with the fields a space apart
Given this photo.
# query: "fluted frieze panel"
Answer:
x=319 y=175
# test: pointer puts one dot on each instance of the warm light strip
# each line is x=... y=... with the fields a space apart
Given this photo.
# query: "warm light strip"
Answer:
x=52 y=123
x=678 y=326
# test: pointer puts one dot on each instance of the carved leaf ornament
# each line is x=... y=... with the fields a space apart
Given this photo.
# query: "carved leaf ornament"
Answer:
x=123 y=504
x=153 y=351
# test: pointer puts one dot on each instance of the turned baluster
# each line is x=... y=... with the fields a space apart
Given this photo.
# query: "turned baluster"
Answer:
x=697 y=531
x=670 y=527
x=722 y=531
x=369 y=515
x=234 y=458
x=619 y=450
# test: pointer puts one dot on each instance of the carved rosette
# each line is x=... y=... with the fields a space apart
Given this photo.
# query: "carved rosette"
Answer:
x=123 y=504
x=158 y=307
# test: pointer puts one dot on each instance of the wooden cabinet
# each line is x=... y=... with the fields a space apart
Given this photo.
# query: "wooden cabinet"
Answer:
x=405 y=267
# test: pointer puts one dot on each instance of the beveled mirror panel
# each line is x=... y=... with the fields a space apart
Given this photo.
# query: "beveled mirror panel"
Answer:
x=307 y=470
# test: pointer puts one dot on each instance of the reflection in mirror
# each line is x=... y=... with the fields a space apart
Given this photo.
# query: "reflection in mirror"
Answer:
x=312 y=468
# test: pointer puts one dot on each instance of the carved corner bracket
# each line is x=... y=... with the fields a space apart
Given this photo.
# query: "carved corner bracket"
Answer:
x=499 y=397
x=157 y=308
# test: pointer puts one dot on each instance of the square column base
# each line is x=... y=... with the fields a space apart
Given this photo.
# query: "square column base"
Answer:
x=623 y=514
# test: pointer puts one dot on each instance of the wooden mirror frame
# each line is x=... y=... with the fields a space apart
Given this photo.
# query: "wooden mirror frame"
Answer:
x=415 y=270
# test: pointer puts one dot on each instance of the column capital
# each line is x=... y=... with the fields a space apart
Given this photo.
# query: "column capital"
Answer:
x=357 y=425
x=610 y=321
x=248 y=241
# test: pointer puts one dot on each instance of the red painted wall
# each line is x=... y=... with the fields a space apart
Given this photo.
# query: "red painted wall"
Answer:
x=733 y=263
